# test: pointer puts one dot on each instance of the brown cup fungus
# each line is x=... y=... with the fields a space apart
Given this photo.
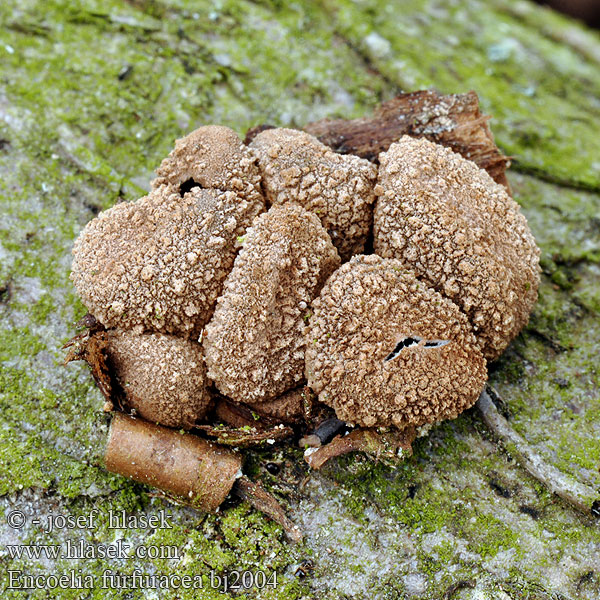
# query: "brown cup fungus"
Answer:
x=461 y=233
x=254 y=344
x=163 y=377
x=296 y=167
x=211 y=157
x=158 y=264
x=385 y=349
x=191 y=285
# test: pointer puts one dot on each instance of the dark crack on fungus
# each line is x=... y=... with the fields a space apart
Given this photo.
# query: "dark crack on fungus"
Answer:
x=414 y=341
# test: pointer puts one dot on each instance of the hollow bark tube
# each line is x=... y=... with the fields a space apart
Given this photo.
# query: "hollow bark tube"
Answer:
x=181 y=464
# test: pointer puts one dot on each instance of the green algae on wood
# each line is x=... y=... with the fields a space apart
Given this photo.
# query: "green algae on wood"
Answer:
x=91 y=98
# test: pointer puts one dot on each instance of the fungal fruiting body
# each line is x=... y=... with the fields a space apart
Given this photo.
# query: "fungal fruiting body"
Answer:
x=163 y=377
x=211 y=157
x=197 y=285
x=385 y=349
x=254 y=344
x=296 y=167
x=461 y=233
x=158 y=264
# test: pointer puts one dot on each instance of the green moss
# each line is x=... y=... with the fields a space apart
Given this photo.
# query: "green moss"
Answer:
x=523 y=77
x=94 y=94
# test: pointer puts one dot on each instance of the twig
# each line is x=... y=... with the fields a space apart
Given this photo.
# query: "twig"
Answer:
x=260 y=499
x=387 y=446
x=580 y=496
x=324 y=433
x=244 y=437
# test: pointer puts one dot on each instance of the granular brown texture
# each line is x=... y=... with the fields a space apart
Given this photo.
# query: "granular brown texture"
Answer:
x=158 y=264
x=211 y=157
x=163 y=377
x=384 y=349
x=295 y=166
x=461 y=233
x=287 y=408
x=254 y=344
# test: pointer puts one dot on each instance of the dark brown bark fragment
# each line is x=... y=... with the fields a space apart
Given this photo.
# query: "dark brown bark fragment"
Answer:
x=452 y=120
x=90 y=346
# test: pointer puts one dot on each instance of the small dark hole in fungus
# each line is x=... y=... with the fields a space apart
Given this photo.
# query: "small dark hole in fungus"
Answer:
x=405 y=343
x=188 y=186
x=595 y=510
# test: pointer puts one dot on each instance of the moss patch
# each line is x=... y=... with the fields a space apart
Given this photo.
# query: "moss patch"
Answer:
x=93 y=95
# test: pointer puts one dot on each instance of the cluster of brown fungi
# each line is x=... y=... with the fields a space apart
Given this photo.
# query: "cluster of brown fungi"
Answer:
x=345 y=285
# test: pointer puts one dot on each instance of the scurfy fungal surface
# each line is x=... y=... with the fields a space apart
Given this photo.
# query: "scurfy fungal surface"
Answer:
x=461 y=233
x=296 y=167
x=367 y=355
x=163 y=377
x=255 y=343
x=158 y=264
x=211 y=157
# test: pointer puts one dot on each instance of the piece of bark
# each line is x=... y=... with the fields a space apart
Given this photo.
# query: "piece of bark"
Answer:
x=388 y=445
x=452 y=120
x=254 y=131
x=246 y=436
x=236 y=415
x=90 y=346
x=183 y=465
